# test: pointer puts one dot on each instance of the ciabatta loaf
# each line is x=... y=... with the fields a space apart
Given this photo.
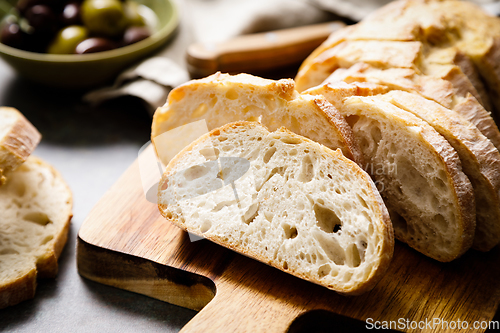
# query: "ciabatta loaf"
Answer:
x=18 y=139
x=452 y=33
x=35 y=212
x=297 y=205
x=222 y=98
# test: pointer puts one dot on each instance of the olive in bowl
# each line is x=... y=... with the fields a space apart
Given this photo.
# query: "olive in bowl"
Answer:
x=76 y=56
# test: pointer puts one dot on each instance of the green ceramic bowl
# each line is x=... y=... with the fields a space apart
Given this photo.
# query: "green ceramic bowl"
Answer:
x=91 y=70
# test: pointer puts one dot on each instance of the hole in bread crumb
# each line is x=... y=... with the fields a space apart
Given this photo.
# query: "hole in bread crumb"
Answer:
x=269 y=154
x=47 y=239
x=363 y=202
x=251 y=213
x=8 y=251
x=327 y=220
x=352 y=120
x=290 y=140
x=17 y=187
x=290 y=231
x=324 y=270
x=231 y=94
x=213 y=101
x=199 y=111
x=195 y=172
x=307 y=170
x=285 y=265
x=205 y=226
x=440 y=222
x=331 y=247
x=347 y=276
x=353 y=257
x=269 y=216
x=210 y=154
x=37 y=217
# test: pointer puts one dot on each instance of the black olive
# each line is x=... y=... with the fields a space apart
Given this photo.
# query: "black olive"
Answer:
x=95 y=44
x=135 y=34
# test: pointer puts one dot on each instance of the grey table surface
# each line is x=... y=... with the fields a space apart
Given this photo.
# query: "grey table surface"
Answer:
x=91 y=147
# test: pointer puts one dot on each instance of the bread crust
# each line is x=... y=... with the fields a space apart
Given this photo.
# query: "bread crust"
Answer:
x=18 y=142
x=384 y=225
x=441 y=90
x=459 y=31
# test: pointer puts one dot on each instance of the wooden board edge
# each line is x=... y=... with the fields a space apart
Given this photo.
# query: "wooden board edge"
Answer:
x=143 y=276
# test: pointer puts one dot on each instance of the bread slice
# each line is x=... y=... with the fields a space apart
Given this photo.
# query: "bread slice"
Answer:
x=480 y=160
x=297 y=206
x=222 y=98
x=35 y=213
x=18 y=139
x=419 y=172
x=441 y=90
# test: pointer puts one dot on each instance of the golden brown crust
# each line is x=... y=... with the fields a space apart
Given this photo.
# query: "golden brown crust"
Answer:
x=470 y=109
x=18 y=290
x=460 y=29
x=350 y=149
x=17 y=144
x=274 y=103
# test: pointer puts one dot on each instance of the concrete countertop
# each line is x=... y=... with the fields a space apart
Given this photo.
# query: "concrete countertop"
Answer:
x=91 y=147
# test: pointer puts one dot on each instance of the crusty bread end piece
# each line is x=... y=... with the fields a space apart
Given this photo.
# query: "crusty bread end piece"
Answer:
x=35 y=213
x=300 y=207
x=222 y=98
x=18 y=139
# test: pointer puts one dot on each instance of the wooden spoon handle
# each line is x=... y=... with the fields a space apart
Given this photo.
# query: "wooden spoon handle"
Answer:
x=258 y=52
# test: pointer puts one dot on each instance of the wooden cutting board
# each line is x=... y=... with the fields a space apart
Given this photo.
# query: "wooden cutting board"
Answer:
x=124 y=242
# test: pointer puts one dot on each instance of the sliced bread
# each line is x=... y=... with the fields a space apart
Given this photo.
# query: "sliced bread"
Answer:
x=480 y=160
x=420 y=174
x=479 y=157
x=35 y=213
x=18 y=139
x=222 y=98
x=297 y=206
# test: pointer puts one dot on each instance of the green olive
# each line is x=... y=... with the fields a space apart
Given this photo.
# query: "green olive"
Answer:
x=104 y=17
x=132 y=13
x=67 y=39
